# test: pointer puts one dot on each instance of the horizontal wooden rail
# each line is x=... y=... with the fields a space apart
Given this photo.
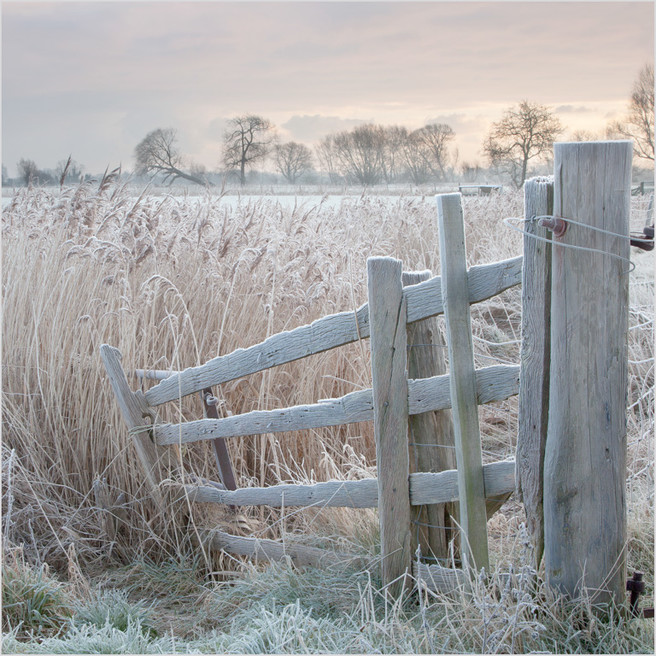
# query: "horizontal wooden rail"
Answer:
x=331 y=494
x=271 y=550
x=423 y=300
x=425 y=488
x=440 y=579
x=434 y=577
x=154 y=374
x=442 y=487
x=494 y=383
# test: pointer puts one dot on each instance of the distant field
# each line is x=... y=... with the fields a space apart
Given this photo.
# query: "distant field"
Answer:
x=277 y=190
x=174 y=280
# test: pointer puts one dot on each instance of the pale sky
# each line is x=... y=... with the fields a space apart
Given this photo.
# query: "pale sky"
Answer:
x=91 y=79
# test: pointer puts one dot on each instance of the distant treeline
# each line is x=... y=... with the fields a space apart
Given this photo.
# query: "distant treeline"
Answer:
x=518 y=145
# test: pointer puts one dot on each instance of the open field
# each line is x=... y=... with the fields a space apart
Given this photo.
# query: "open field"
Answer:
x=173 y=281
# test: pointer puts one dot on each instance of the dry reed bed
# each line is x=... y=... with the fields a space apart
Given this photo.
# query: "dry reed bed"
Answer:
x=173 y=282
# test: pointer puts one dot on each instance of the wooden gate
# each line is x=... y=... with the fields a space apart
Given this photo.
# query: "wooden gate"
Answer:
x=547 y=420
x=391 y=401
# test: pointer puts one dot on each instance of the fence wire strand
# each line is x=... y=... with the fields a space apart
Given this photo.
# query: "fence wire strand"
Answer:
x=588 y=249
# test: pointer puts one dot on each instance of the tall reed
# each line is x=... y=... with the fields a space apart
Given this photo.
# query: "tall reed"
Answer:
x=174 y=281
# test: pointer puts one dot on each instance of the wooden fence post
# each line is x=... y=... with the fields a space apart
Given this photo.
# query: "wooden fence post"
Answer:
x=387 y=319
x=430 y=433
x=462 y=379
x=533 y=414
x=585 y=457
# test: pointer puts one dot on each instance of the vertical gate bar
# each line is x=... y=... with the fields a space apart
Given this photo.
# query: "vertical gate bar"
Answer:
x=462 y=382
x=387 y=319
x=535 y=356
x=135 y=411
x=433 y=525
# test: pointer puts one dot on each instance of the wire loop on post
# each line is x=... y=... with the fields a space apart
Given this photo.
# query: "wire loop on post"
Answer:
x=507 y=222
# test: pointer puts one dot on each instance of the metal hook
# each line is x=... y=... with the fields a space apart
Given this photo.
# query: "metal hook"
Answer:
x=557 y=225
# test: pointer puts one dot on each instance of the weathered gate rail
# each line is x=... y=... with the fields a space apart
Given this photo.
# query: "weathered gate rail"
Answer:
x=423 y=300
x=494 y=383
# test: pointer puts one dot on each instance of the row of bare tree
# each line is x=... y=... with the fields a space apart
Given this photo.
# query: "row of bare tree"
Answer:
x=68 y=171
x=371 y=154
x=368 y=154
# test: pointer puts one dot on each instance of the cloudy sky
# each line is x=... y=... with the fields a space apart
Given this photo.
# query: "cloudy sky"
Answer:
x=92 y=78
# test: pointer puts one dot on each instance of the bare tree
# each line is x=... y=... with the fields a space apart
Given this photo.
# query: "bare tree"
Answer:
x=246 y=141
x=525 y=132
x=292 y=160
x=360 y=153
x=639 y=122
x=28 y=171
x=325 y=153
x=158 y=152
x=585 y=135
x=434 y=140
x=370 y=153
x=471 y=172
x=414 y=160
x=395 y=138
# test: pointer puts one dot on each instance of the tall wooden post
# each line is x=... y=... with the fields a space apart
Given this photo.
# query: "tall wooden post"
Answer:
x=387 y=320
x=431 y=434
x=462 y=381
x=585 y=456
x=535 y=357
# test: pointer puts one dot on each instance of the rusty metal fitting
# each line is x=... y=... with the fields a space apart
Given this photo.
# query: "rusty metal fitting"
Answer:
x=557 y=225
x=636 y=586
x=209 y=398
x=645 y=240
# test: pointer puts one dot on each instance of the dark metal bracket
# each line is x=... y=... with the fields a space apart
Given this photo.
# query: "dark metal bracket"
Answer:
x=645 y=240
x=636 y=586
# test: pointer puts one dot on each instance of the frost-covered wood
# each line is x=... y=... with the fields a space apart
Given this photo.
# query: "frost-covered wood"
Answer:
x=455 y=292
x=425 y=488
x=354 y=407
x=340 y=494
x=271 y=550
x=494 y=383
x=154 y=374
x=535 y=356
x=134 y=410
x=585 y=455
x=442 y=487
x=423 y=300
x=389 y=373
x=487 y=280
x=429 y=433
x=439 y=579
